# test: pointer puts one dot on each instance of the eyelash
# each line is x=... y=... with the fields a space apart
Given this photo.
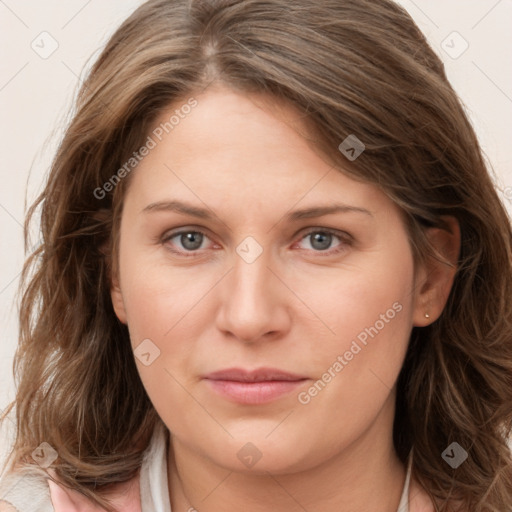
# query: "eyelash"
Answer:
x=345 y=240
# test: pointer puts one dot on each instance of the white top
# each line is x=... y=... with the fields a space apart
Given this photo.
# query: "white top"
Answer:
x=154 y=489
x=29 y=492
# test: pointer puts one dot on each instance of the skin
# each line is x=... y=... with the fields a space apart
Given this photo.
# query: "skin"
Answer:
x=296 y=308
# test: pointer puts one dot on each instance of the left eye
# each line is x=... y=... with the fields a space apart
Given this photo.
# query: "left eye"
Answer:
x=321 y=240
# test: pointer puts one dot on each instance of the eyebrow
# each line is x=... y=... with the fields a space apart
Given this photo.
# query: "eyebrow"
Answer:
x=204 y=213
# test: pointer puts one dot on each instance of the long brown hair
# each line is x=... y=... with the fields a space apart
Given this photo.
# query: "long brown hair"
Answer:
x=350 y=67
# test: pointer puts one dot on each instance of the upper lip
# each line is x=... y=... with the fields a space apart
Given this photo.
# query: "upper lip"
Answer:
x=257 y=375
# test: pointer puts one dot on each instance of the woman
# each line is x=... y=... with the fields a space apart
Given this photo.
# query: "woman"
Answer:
x=274 y=274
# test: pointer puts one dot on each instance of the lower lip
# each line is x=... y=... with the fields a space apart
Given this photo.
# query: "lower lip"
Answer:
x=254 y=392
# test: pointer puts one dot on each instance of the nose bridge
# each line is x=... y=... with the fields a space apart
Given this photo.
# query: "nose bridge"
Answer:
x=251 y=279
x=251 y=303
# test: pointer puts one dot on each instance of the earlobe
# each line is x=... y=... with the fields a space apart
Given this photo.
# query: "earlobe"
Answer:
x=436 y=275
x=117 y=301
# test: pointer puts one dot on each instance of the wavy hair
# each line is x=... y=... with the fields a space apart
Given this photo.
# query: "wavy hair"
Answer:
x=349 y=67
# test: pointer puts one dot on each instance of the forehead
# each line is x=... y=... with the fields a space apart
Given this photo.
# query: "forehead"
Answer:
x=245 y=149
x=225 y=122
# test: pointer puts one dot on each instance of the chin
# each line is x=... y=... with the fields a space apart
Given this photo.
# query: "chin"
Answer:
x=263 y=456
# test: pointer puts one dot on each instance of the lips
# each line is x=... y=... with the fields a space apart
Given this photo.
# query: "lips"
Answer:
x=253 y=387
x=258 y=375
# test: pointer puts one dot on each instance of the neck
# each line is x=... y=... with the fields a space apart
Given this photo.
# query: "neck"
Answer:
x=366 y=475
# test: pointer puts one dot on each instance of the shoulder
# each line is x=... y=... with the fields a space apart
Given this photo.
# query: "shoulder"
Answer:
x=32 y=491
x=124 y=496
x=25 y=491
x=419 y=499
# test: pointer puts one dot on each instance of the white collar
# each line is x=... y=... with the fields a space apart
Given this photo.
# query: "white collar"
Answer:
x=403 y=506
x=154 y=486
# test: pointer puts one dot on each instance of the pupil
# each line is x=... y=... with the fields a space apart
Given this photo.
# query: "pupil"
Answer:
x=323 y=239
x=191 y=240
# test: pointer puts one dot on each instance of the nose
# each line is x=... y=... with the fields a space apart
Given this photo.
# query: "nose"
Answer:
x=255 y=305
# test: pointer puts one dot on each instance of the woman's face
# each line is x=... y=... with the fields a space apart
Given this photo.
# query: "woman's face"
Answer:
x=242 y=249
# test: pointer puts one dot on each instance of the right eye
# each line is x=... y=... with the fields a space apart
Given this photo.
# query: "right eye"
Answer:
x=186 y=241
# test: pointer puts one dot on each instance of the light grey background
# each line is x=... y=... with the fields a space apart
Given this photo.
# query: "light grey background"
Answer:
x=36 y=92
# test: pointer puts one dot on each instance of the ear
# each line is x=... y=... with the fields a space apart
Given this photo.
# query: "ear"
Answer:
x=103 y=217
x=434 y=277
x=117 y=300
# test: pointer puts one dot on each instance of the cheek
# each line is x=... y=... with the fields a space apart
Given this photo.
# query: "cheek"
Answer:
x=161 y=320
x=167 y=309
x=157 y=297
x=370 y=311
x=368 y=302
